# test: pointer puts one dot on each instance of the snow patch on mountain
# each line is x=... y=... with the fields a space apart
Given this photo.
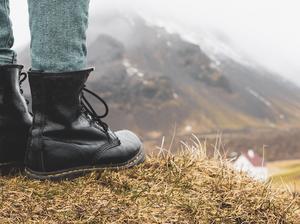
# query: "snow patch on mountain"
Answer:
x=131 y=70
x=215 y=49
x=259 y=97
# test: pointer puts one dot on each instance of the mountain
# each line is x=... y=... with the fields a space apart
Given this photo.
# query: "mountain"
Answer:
x=153 y=79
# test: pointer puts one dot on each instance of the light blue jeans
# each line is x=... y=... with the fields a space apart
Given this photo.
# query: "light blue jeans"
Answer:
x=58 y=34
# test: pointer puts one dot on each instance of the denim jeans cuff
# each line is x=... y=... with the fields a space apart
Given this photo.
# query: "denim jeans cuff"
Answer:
x=7 y=56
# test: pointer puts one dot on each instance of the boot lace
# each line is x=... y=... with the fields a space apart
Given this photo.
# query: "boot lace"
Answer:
x=22 y=77
x=91 y=113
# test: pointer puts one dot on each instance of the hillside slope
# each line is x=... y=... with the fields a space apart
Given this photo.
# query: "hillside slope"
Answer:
x=152 y=79
x=285 y=173
x=183 y=188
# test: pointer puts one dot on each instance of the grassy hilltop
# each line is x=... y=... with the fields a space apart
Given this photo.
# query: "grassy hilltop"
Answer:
x=189 y=187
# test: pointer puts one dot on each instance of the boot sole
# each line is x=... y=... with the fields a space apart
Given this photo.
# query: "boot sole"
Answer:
x=81 y=171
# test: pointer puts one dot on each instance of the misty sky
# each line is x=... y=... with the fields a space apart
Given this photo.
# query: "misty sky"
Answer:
x=267 y=31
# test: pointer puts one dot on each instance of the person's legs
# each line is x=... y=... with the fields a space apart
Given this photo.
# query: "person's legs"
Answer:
x=7 y=56
x=15 y=120
x=68 y=138
x=58 y=34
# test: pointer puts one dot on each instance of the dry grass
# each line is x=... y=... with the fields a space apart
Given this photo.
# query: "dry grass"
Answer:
x=187 y=187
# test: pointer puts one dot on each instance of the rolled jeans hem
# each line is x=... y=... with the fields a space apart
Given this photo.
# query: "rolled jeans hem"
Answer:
x=53 y=68
x=8 y=57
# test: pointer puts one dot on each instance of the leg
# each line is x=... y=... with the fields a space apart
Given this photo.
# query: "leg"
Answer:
x=68 y=138
x=58 y=34
x=14 y=117
x=7 y=56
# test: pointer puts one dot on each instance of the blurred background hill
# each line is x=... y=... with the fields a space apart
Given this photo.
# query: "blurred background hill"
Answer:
x=155 y=79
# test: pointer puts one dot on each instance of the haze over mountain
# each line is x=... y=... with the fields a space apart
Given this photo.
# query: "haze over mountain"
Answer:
x=265 y=31
x=153 y=79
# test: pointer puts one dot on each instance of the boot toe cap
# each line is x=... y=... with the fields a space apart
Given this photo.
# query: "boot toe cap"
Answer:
x=130 y=149
x=130 y=145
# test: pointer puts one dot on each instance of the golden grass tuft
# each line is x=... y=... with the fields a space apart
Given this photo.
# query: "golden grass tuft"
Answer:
x=189 y=187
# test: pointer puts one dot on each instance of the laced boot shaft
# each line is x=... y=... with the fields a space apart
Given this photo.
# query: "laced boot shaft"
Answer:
x=92 y=114
x=68 y=137
x=15 y=119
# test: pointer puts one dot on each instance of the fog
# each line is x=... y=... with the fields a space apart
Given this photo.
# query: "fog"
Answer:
x=265 y=31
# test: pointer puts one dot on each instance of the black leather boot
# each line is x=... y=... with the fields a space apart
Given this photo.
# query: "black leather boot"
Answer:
x=68 y=138
x=15 y=120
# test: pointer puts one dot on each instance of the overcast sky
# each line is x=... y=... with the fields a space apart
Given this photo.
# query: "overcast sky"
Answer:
x=266 y=30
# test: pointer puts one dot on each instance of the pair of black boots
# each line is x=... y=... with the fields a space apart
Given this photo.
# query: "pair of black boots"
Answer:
x=65 y=137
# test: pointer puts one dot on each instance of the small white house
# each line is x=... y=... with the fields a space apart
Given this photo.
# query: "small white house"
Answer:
x=252 y=164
